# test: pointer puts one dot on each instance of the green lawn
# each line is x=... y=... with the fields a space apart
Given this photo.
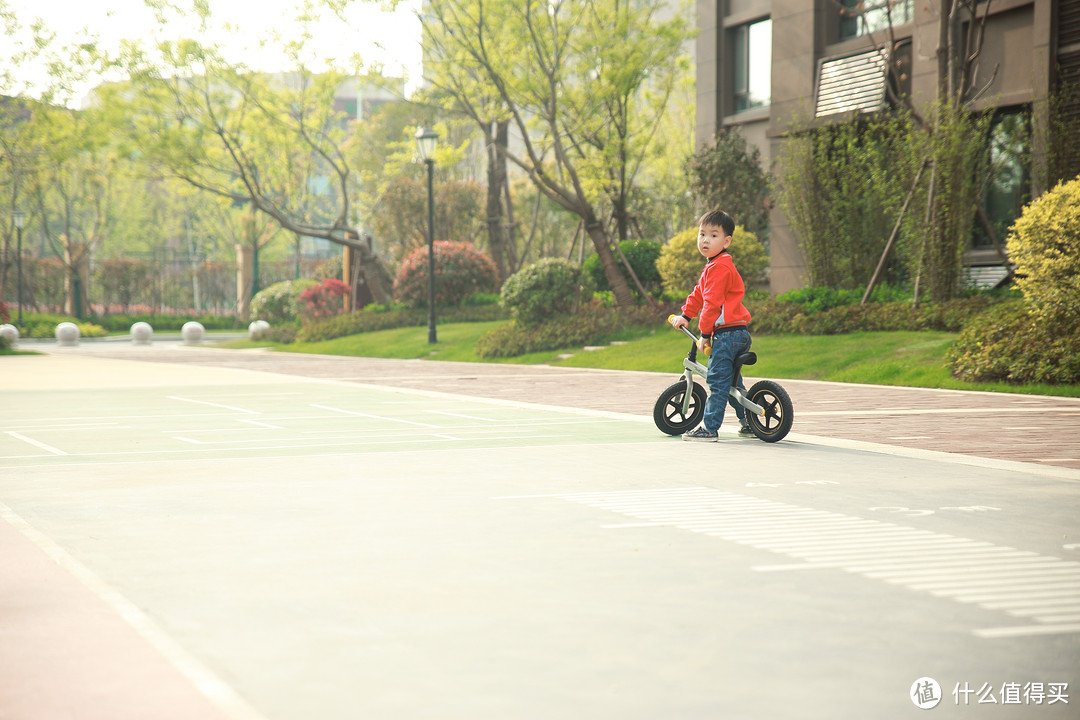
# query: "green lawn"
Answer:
x=913 y=359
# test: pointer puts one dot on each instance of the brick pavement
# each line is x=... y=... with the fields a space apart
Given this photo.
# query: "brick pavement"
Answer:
x=1025 y=428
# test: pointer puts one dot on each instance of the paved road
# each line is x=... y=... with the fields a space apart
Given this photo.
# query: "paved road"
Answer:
x=200 y=533
x=1024 y=428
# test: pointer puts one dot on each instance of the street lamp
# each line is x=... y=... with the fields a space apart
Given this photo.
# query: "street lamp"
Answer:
x=20 y=217
x=425 y=145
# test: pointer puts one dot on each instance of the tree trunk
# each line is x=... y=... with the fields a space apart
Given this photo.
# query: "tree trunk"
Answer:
x=608 y=261
x=496 y=179
x=76 y=279
x=244 y=262
x=376 y=277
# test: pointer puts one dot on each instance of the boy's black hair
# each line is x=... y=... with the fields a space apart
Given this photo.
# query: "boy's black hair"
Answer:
x=720 y=219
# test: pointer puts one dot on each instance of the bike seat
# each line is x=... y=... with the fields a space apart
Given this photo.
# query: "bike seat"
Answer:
x=746 y=358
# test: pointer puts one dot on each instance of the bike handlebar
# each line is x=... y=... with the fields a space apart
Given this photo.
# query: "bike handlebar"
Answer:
x=686 y=331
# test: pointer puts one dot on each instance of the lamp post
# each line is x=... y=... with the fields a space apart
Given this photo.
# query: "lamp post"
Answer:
x=20 y=217
x=425 y=145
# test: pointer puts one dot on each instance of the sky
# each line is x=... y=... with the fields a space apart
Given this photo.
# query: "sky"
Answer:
x=392 y=39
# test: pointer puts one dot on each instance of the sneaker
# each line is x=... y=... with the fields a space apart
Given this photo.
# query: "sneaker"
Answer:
x=745 y=431
x=700 y=435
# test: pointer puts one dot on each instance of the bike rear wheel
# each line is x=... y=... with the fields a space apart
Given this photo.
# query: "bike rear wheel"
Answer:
x=668 y=411
x=779 y=413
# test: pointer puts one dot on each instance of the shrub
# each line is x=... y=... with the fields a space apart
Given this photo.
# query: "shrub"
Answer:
x=324 y=300
x=329 y=268
x=43 y=325
x=159 y=321
x=592 y=325
x=379 y=317
x=480 y=299
x=277 y=333
x=549 y=287
x=680 y=263
x=749 y=255
x=1043 y=244
x=729 y=174
x=280 y=302
x=778 y=316
x=642 y=256
x=460 y=270
x=5 y=316
x=818 y=299
x=1009 y=343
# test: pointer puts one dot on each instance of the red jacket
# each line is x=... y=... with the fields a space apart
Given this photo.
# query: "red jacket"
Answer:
x=717 y=296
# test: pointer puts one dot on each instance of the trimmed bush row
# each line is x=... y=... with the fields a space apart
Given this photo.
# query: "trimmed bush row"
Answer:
x=43 y=325
x=1011 y=343
x=166 y=323
x=379 y=318
x=775 y=316
x=592 y=325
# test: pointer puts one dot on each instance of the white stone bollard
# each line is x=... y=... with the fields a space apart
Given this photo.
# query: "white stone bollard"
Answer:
x=67 y=334
x=192 y=332
x=257 y=326
x=141 y=333
x=10 y=333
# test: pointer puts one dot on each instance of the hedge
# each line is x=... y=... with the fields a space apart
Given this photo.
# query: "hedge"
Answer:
x=375 y=318
x=776 y=316
x=592 y=325
x=1011 y=343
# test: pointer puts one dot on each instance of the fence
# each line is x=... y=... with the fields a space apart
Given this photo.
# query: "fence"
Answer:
x=164 y=281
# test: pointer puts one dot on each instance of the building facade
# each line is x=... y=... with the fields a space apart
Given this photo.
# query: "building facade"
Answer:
x=763 y=64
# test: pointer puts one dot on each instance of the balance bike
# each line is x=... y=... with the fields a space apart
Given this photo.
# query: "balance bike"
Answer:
x=681 y=406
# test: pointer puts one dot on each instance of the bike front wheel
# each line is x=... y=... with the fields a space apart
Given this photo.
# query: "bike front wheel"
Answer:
x=779 y=414
x=668 y=411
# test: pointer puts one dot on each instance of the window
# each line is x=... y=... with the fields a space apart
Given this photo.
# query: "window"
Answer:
x=752 y=64
x=1007 y=191
x=854 y=82
x=858 y=18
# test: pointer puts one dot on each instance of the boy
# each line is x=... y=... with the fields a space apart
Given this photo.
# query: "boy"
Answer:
x=718 y=297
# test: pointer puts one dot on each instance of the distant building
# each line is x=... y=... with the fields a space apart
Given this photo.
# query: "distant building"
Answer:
x=763 y=63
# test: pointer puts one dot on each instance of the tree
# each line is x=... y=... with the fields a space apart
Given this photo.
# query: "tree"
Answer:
x=254 y=139
x=582 y=84
x=727 y=175
x=72 y=189
x=956 y=138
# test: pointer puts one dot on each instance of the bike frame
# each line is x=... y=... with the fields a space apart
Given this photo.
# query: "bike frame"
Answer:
x=692 y=367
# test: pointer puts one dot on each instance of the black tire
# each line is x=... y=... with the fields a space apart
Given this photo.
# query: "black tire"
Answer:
x=668 y=413
x=779 y=413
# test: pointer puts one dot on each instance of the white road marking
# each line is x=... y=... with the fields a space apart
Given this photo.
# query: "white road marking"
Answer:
x=36 y=443
x=214 y=404
x=941 y=565
x=374 y=417
x=66 y=426
x=219 y=693
x=927 y=411
x=260 y=424
x=467 y=417
x=1022 y=630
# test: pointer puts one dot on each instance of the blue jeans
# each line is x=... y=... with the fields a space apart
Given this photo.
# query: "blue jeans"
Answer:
x=725 y=347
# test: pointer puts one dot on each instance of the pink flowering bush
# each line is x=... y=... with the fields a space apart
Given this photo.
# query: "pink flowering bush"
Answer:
x=460 y=270
x=324 y=300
